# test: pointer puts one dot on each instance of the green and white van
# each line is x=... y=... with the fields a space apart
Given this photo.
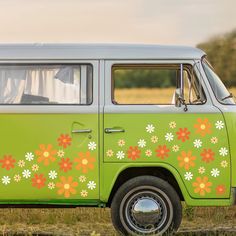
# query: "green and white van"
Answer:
x=137 y=128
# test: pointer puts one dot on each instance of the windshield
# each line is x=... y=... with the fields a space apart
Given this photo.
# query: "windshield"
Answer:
x=219 y=89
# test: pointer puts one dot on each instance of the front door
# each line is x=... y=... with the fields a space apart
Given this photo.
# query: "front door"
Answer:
x=49 y=132
x=143 y=125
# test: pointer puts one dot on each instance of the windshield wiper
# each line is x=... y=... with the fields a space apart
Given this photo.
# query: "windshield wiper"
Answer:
x=229 y=96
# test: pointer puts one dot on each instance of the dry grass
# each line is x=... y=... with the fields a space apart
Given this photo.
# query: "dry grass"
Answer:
x=91 y=221
x=151 y=96
x=233 y=90
x=94 y=221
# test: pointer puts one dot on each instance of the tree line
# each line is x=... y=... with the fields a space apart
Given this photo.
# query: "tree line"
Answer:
x=221 y=52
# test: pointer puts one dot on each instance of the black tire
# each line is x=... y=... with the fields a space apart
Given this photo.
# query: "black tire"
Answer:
x=146 y=205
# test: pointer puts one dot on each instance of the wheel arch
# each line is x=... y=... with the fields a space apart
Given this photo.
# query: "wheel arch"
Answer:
x=132 y=172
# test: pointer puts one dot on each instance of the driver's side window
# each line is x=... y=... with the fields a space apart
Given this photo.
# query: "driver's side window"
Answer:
x=147 y=84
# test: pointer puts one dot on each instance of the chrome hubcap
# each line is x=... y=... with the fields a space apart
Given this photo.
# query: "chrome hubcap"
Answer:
x=146 y=211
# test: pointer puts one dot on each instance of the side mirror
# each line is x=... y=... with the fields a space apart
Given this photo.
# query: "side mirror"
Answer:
x=178 y=97
x=179 y=100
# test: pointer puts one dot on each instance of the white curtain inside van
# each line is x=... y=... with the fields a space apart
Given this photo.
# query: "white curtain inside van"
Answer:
x=41 y=84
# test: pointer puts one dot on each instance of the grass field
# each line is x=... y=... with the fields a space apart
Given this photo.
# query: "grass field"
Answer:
x=137 y=96
x=94 y=222
x=152 y=96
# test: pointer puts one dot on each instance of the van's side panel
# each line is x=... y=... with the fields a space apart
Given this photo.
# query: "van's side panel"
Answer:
x=31 y=143
x=43 y=156
x=171 y=140
x=194 y=143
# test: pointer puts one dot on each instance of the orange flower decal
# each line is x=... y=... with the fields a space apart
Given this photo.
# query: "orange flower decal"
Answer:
x=203 y=127
x=65 y=164
x=207 y=155
x=202 y=186
x=220 y=189
x=64 y=140
x=38 y=181
x=7 y=162
x=183 y=134
x=162 y=152
x=133 y=153
x=85 y=162
x=186 y=160
x=66 y=186
x=46 y=154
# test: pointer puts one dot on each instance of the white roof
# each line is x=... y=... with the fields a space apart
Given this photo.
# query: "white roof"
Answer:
x=96 y=51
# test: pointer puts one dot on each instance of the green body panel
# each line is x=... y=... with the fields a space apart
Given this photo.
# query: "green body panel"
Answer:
x=112 y=170
x=230 y=119
x=40 y=143
x=202 y=168
x=25 y=133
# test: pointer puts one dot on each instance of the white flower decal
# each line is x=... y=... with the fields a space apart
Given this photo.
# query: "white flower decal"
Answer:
x=188 y=176
x=223 y=151
x=148 y=153
x=82 y=178
x=83 y=193
x=219 y=124
x=109 y=153
x=201 y=170
x=150 y=128
x=6 y=180
x=214 y=140
x=215 y=172
x=142 y=143
x=120 y=155
x=169 y=137
x=35 y=167
x=172 y=124
x=121 y=142
x=17 y=178
x=175 y=148
x=26 y=174
x=29 y=156
x=91 y=185
x=21 y=163
x=224 y=164
x=197 y=143
x=52 y=174
x=60 y=153
x=92 y=146
x=51 y=185
x=154 y=139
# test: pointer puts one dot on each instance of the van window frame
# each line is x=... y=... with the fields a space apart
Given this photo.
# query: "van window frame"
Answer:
x=152 y=65
x=54 y=63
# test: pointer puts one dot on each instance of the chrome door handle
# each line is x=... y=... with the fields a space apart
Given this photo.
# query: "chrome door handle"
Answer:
x=111 y=130
x=81 y=131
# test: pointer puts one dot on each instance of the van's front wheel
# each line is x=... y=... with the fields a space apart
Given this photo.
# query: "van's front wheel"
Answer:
x=146 y=205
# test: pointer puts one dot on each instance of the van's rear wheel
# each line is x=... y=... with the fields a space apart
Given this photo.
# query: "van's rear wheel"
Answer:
x=146 y=205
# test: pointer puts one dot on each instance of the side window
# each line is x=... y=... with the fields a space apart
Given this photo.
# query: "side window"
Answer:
x=144 y=84
x=46 y=84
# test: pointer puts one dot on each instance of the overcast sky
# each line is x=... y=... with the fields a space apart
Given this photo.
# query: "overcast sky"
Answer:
x=185 y=22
